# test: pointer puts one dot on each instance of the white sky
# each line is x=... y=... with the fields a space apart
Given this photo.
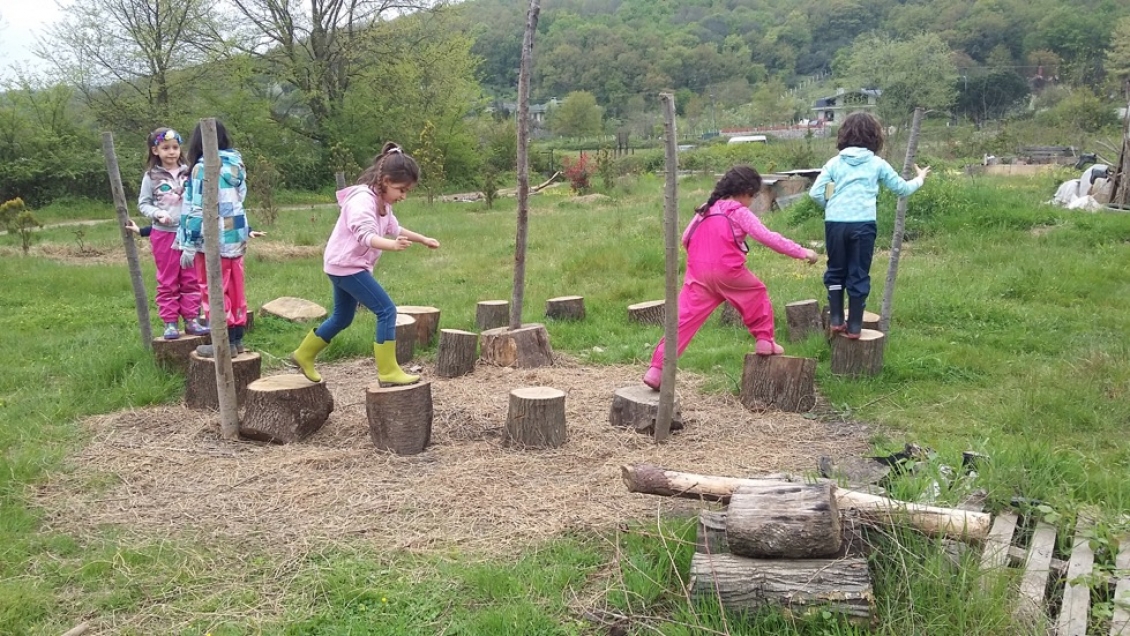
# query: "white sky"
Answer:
x=20 y=22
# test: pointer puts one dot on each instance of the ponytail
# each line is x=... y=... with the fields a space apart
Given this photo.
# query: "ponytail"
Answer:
x=392 y=163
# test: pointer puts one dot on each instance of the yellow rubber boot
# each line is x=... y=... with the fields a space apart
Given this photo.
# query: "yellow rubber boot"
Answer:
x=303 y=358
x=388 y=370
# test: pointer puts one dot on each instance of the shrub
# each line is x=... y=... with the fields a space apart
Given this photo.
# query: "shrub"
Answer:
x=579 y=173
x=17 y=219
x=265 y=179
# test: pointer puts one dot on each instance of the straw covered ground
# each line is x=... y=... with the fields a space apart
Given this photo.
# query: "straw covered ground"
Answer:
x=165 y=470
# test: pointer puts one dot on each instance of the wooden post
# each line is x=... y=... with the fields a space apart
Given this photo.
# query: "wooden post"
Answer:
x=285 y=408
x=400 y=417
x=140 y=298
x=218 y=326
x=636 y=407
x=536 y=418
x=405 y=338
x=787 y=383
x=201 y=389
x=525 y=68
x=785 y=521
x=492 y=314
x=339 y=179
x=457 y=353
x=565 y=308
x=803 y=319
x=900 y=224
x=650 y=312
x=862 y=357
x=427 y=322
x=671 y=249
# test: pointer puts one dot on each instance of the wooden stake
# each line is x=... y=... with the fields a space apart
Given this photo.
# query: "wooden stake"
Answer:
x=140 y=298
x=671 y=249
x=900 y=224
x=525 y=68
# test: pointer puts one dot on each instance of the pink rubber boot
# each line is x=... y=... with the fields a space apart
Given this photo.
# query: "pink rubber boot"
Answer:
x=653 y=377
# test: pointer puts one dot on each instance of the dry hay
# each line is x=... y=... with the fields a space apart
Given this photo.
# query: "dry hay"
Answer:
x=274 y=252
x=72 y=254
x=164 y=470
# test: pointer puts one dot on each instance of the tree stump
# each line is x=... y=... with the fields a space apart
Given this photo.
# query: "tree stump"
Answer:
x=636 y=407
x=786 y=383
x=536 y=418
x=648 y=313
x=457 y=353
x=172 y=355
x=427 y=322
x=285 y=408
x=803 y=319
x=565 y=308
x=400 y=417
x=784 y=521
x=405 y=338
x=250 y=324
x=492 y=314
x=730 y=316
x=526 y=347
x=200 y=381
x=862 y=357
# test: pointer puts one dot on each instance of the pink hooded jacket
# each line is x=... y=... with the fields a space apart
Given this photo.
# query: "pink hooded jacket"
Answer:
x=347 y=251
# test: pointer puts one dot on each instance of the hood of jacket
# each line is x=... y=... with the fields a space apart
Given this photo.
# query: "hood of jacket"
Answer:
x=353 y=191
x=855 y=156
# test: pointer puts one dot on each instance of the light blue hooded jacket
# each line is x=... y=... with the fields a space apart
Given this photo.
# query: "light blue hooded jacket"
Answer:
x=855 y=175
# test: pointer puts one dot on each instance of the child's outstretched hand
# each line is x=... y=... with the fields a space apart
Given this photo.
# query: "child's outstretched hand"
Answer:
x=922 y=172
x=132 y=227
x=256 y=234
x=402 y=243
x=430 y=242
x=810 y=256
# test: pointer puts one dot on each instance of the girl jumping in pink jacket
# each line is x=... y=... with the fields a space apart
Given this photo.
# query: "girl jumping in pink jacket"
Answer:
x=365 y=228
x=716 y=270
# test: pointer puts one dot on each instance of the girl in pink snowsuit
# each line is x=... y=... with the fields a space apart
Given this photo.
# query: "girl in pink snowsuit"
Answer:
x=716 y=270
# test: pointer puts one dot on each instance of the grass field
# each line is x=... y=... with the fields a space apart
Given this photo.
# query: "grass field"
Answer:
x=1009 y=338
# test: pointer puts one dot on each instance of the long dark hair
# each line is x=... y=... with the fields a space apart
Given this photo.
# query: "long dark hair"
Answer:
x=154 y=139
x=392 y=163
x=196 y=142
x=860 y=130
x=737 y=181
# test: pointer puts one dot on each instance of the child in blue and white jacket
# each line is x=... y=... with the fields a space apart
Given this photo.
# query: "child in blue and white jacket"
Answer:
x=847 y=189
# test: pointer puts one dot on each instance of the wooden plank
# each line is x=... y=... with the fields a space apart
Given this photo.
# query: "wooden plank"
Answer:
x=1076 y=606
x=1120 y=622
x=1030 y=610
x=995 y=557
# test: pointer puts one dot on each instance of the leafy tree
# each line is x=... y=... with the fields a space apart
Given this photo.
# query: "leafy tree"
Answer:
x=577 y=116
x=984 y=96
x=911 y=73
x=1118 y=56
x=430 y=158
x=17 y=219
x=1082 y=110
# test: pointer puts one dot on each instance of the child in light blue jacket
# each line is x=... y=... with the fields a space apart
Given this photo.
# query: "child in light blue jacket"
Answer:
x=847 y=189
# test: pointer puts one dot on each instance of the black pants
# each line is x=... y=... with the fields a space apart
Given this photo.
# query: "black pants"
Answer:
x=850 y=247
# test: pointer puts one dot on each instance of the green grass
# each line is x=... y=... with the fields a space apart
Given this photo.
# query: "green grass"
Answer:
x=1008 y=338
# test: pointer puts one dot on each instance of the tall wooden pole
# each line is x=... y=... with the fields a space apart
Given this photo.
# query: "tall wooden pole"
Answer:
x=225 y=378
x=900 y=224
x=671 y=244
x=140 y=298
x=524 y=69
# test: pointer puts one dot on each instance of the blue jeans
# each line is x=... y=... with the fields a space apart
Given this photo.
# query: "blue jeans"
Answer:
x=850 y=247
x=359 y=288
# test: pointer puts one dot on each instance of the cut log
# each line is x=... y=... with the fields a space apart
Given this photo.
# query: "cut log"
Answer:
x=400 y=417
x=786 y=383
x=427 y=322
x=492 y=314
x=784 y=521
x=803 y=319
x=872 y=509
x=536 y=418
x=729 y=316
x=636 y=407
x=1075 y=608
x=250 y=323
x=286 y=408
x=525 y=348
x=456 y=353
x=405 y=338
x=857 y=358
x=648 y=313
x=1030 y=609
x=565 y=308
x=200 y=381
x=800 y=587
x=172 y=355
x=711 y=535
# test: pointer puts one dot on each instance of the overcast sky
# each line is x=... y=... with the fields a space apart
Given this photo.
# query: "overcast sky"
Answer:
x=20 y=22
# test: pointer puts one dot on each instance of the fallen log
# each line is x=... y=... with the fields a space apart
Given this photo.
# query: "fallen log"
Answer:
x=872 y=509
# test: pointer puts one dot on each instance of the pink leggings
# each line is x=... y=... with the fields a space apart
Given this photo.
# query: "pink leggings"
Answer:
x=235 y=301
x=704 y=290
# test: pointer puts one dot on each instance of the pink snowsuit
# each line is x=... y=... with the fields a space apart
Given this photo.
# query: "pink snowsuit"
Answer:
x=716 y=272
x=178 y=289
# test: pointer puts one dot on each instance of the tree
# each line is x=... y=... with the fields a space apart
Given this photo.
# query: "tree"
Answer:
x=1118 y=56
x=430 y=158
x=577 y=116
x=989 y=95
x=910 y=73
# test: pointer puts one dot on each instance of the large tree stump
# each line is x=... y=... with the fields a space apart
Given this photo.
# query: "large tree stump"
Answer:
x=565 y=308
x=862 y=357
x=637 y=406
x=803 y=319
x=172 y=355
x=427 y=322
x=526 y=347
x=801 y=587
x=405 y=338
x=785 y=521
x=730 y=316
x=648 y=313
x=400 y=417
x=285 y=408
x=456 y=353
x=787 y=383
x=492 y=314
x=536 y=418
x=200 y=382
